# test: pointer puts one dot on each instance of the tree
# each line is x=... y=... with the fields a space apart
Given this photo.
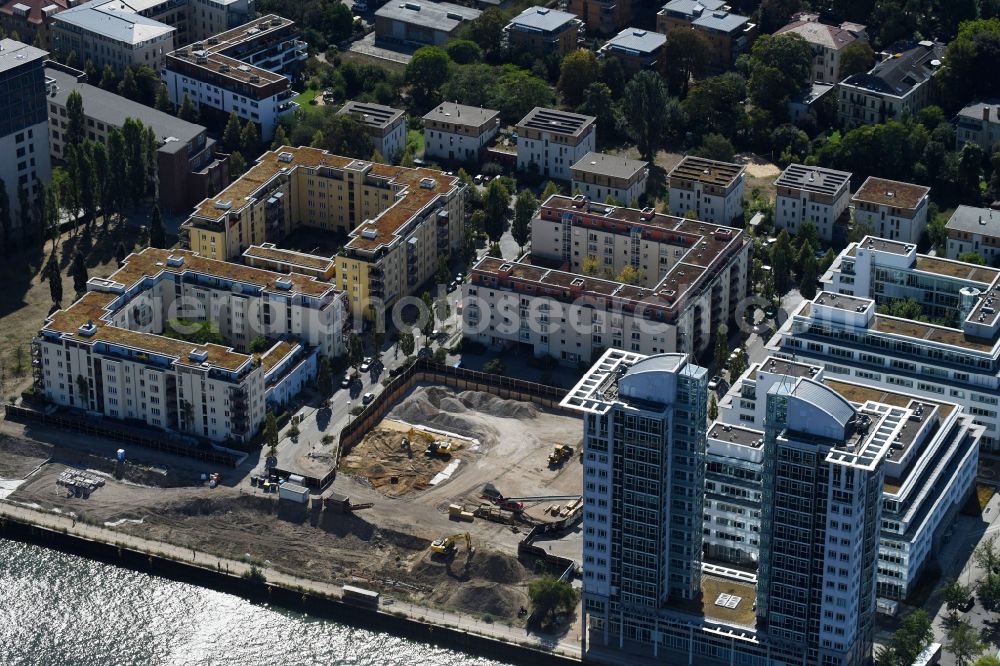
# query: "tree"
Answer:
x=75 y=132
x=406 y=343
x=955 y=594
x=987 y=555
x=324 y=377
x=969 y=68
x=963 y=643
x=549 y=595
x=599 y=102
x=524 y=210
x=79 y=273
x=250 y=139
x=86 y=181
x=487 y=30
x=776 y=13
x=162 y=99
x=808 y=276
x=157 y=232
x=989 y=591
x=688 y=53
x=136 y=159
x=108 y=79
x=550 y=189
x=994 y=187
x=613 y=75
x=128 y=88
x=497 y=209
x=55 y=280
x=781 y=261
x=713 y=407
x=121 y=252
x=717 y=104
x=716 y=147
x=904 y=308
x=232 y=136
x=6 y=240
x=630 y=275
x=972 y=258
x=495 y=366
x=237 y=165
x=187 y=112
x=426 y=73
x=270 y=434
x=780 y=68
x=856 y=58
x=970 y=169
x=720 y=351
x=644 y=108
x=912 y=636
x=987 y=660
x=463 y=51
x=578 y=70
x=355 y=350
x=590 y=265
x=280 y=138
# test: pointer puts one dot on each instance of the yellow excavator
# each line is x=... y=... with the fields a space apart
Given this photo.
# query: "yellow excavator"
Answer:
x=449 y=544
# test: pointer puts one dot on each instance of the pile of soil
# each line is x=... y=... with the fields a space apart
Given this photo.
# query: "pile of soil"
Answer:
x=460 y=413
x=498 y=568
x=496 y=600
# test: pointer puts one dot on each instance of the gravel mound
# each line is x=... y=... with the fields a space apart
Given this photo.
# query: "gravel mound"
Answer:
x=498 y=568
x=442 y=408
x=487 y=598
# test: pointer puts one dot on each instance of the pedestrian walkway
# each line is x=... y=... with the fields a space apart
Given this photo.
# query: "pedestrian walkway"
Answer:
x=567 y=647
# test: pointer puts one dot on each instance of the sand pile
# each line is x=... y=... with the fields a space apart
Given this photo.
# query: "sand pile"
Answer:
x=498 y=568
x=459 y=413
x=484 y=598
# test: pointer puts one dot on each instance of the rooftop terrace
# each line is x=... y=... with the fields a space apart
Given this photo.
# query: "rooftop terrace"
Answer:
x=556 y=122
x=813 y=179
x=891 y=193
x=707 y=171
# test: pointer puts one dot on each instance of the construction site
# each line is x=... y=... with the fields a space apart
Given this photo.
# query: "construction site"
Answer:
x=454 y=500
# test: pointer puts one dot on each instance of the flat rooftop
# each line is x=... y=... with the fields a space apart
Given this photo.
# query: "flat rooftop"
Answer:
x=415 y=189
x=273 y=253
x=813 y=179
x=373 y=115
x=891 y=193
x=440 y=16
x=276 y=354
x=635 y=41
x=735 y=434
x=17 y=54
x=707 y=171
x=713 y=588
x=975 y=220
x=114 y=20
x=460 y=114
x=613 y=166
x=842 y=301
x=543 y=19
x=722 y=21
x=780 y=366
x=692 y=8
x=556 y=122
x=886 y=245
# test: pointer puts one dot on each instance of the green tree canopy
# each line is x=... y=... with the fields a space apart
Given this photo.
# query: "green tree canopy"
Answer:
x=426 y=73
x=688 y=55
x=497 y=209
x=463 y=51
x=969 y=69
x=525 y=207
x=233 y=134
x=780 y=68
x=856 y=58
x=549 y=596
x=644 y=108
x=578 y=70
x=157 y=232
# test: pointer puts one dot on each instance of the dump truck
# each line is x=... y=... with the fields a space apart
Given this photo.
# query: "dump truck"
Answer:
x=560 y=454
x=449 y=545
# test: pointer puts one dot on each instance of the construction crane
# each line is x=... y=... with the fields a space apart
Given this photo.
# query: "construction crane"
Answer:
x=449 y=544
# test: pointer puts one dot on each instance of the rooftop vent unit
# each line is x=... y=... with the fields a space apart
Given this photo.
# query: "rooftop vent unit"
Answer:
x=201 y=59
x=87 y=330
x=455 y=17
x=175 y=260
x=254 y=78
x=197 y=46
x=411 y=6
x=212 y=41
x=198 y=355
x=223 y=68
x=276 y=21
x=369 y=233
x=283 y=283
x=285 y=157
x=427 y=183
x=223 y=205
x=543 y=11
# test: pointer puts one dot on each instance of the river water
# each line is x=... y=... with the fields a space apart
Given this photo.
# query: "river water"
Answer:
x=63 y=610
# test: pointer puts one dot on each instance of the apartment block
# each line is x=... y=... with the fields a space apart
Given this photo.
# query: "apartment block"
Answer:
x=902 y=82
x=979 y=123
x=386 y=126
x=543 y=31
x=812 y=194
x=551 y=141
x=415 y=24
x=186 y=163
x=602 y=17
x=972 y=229
x=951 y=352
x=245 y=70
x=108 y=352
x=892 y=209
x=31 y=19
x=564 y=300
x=728 y=34
x=930 y=471
x=827 y=42
x=598 y=176
x=637 y=50
x=24 y=137
x=110 y=33
x=712 y=191
x=458 y=132
x=399 y=222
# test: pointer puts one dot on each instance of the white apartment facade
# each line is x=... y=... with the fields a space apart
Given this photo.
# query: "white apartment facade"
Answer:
x=707 y=189
x=552 y=141
x=106 y=353
x=689 y=278
x=972 y=229
x=826 y=41
x=979 y=123
x=811 y=194
x=386 y=126
x=900 y=83
x=458 y=132
x=599 y=177
x=892 y=209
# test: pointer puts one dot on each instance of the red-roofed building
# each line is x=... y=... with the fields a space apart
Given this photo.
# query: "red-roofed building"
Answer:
x=827 y=41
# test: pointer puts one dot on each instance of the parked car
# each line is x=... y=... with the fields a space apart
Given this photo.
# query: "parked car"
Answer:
x=366 y=364
x=367 y=398
x=714 y=383
x=346 y=381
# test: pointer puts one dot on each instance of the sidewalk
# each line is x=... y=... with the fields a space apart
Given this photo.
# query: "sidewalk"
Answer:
x=567 y=647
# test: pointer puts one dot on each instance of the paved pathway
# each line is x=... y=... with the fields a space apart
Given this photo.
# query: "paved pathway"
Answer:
x=568 y=646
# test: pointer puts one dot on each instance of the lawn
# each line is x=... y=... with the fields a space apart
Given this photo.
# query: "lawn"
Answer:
x=415 y=141
x=983 y=494
x=304 y=98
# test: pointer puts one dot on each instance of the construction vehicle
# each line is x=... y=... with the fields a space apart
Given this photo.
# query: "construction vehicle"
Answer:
x=449 y=544
x=438 y=448
x=561 y=454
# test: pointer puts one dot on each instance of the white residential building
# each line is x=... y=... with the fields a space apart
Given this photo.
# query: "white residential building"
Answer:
x=826 y=41
x=386 y=126
x=552 y=141
x=458 y=132
x=953 y=355
x=598 y=176
x=24 y=136
x=979 y=123
x=108 y=353
x=688 y=279
x=972 y=229
x=110 y=33
x=811 y=194
x=712 y=191
x=930 y=471
x=891 y=209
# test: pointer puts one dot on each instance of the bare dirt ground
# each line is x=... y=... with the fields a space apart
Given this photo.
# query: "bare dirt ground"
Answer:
x=385 y=547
